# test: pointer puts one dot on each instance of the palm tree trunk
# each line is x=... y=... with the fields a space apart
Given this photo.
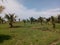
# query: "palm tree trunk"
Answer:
x=53 y=23
x=11 y=25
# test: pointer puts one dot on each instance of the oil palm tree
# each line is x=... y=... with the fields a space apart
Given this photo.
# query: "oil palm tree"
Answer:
x=1 y=20
x=47 y=20
x=24 y=21
x=32 y=20
x=58 y=18
x=19 y=19
x=10 y=18
x=53 y=21
x=40 y=19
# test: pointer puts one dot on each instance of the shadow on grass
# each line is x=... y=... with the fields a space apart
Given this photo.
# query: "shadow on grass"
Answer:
x=4 y=37
x=20 y=26
x=17 y=26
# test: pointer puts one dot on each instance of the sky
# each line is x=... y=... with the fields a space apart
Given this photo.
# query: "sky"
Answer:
x=24 y=9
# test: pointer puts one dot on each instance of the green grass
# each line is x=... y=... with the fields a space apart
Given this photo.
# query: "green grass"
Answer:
x=29 y=34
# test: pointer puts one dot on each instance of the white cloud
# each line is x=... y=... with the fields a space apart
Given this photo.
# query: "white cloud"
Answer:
x=12 y=6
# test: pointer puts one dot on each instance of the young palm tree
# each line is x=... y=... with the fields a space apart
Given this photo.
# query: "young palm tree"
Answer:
x=10 y=18
x=32 y=20
x=19 y=19
x=53 y=21
x=47 y=20
x=24 y=21
x=58 y=18
x=28 y=21
x=40 y=19
x=1 y=20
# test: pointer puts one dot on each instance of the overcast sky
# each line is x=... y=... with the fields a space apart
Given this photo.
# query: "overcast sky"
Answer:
x=28 y=8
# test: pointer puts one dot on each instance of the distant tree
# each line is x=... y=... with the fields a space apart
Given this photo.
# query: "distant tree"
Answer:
x=24 y=21
x=47 y=20
x=40 y=19
x=36 y=20
x=32 y=20
x=28 y=21
x=58 y=18
x=53 y=21
x=1 y=20
x=10 y=18
x=19 y=20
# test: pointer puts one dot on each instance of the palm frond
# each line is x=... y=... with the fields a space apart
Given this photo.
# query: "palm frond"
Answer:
x=7 y=16
x=1 y=8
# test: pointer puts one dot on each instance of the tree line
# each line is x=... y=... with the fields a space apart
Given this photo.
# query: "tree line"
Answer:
x=11 y=18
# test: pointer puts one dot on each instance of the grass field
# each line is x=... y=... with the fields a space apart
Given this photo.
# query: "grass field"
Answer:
x=29 y=34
